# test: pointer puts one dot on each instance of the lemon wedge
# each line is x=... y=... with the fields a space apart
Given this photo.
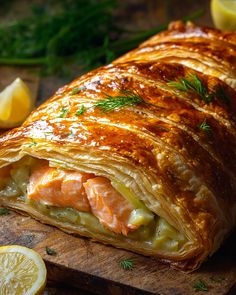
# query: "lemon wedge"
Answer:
x=22 y=270
x=15 y=104
x=224 y=14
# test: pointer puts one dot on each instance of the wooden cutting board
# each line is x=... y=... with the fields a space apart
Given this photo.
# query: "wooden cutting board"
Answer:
x=95 y=267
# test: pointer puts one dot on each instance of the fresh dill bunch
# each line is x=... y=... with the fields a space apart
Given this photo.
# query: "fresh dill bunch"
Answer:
x=72 y=32
x=200 y=285
x=126 y=98
x=205 y=127
x=127 y=264
x=192 y=83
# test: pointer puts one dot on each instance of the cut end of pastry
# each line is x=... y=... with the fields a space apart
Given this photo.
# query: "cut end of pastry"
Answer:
x=90 y=205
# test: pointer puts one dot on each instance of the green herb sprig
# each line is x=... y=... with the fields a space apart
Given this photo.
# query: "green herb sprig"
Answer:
x=205 y=127
x=33 y=143
x=217 y=279
x=127 y=264
x=110 y=103
x=50 y=251
x=76 y=90
x=192 y=84
x=63 y=112
x=4 y=211
x=126 y=98
x=222 y=95
x=200 y=285
x=81 y=110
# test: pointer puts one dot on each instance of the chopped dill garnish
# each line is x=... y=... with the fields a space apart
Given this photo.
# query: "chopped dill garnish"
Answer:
x=204 y=126
x=81 y=110
x=76 y=90
x=217 y=279
x=50 y=251
x=63 y=112
x=200 y=285
x=192 y=84
x=71 y=133
x=126 y=98
x=33 y=143
x=127 y=264
x=222 y=95
x=4 y=211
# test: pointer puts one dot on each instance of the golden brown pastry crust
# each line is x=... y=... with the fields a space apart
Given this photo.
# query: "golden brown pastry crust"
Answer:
x=180 y=172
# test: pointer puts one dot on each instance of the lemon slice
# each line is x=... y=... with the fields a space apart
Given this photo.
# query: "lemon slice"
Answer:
x=22 y=271
x=15 y=104
x=224 y=14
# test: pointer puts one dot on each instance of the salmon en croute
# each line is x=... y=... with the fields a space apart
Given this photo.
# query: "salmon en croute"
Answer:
x=139 y=154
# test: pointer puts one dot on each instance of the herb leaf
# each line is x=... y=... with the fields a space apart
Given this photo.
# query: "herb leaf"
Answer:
x=126 y=98
x=81 y=110
x=76 y=90
x=217 y=279
x=192 y=84
x=204 y=126
x=33 y=143
x=222 y=95
x=200 y=285
x=63 y=112
x=127 y=264
x=4 y=211
x=50 y=251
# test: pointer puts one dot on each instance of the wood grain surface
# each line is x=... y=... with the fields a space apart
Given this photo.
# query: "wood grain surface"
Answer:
x=82 y=263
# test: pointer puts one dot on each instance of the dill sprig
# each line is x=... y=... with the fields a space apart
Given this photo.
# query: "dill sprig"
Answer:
x=217 y=279
x=4 y=211
x=127 y=264
x=50 y=251
x=76 y=90
x=192 y=83
x=205 y=127
x=33 y=143
x=126 y=98
x=81 y=110
x=222 y=95
x=200 y=285
x=63 y=112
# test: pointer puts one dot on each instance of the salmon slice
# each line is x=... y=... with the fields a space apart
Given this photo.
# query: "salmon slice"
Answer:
x=108 y=205
x=62 y=188
x=82 y=191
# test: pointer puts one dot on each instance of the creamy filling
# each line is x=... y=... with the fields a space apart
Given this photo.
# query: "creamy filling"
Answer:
x=141 y=224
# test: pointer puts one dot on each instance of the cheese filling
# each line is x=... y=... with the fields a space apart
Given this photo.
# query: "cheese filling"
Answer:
x=90 y=201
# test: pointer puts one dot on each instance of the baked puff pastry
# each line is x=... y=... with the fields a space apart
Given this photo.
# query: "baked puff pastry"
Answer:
x=139 y=154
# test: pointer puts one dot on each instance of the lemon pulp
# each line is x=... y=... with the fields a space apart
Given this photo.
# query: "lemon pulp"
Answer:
x=22 y=270
x=15 y=104
x=224 y=14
